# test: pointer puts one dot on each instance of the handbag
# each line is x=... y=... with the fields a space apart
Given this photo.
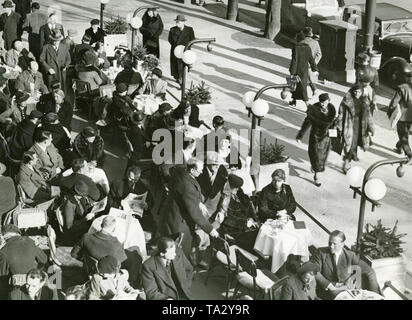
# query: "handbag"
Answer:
x=337 y=143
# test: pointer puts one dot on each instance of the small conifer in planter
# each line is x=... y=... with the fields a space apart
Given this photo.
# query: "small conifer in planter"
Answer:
x=272 y=153
x=115 y=26
x=199 y=94
x=139 y=52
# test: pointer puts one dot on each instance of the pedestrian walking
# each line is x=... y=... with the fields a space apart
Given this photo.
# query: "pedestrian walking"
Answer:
x=354 y=124
x=179 y=35
x=320 y=118
x=301 y=59
x=32 y=25
x=402 y=103
x=10 y=24
x=316 y=53
x=151 y=30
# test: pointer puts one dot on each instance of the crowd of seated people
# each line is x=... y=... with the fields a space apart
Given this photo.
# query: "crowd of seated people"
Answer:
x=194 y=192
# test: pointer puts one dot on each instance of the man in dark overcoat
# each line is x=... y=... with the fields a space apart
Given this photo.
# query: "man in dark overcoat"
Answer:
x=179 y=35
x=54 y=59
x=32 y=25
x=301 y=59
x=183 y=209
x=10 y=24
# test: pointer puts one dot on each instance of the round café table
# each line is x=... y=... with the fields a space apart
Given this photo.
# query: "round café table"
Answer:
x=280 y=244
x=358 y=295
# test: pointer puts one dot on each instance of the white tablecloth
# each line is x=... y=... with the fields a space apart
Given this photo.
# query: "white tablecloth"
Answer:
x=147 y=103
x=279 y=246
x=135 y=236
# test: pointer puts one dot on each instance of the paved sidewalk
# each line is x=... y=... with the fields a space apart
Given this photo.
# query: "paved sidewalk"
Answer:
x=241 y=60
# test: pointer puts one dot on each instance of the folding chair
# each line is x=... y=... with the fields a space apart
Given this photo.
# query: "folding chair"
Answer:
x=251 y=278
x=82 y=91
x=221 y=255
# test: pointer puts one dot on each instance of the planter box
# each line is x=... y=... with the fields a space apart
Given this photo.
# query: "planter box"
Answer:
x=390 y=269
x=264 y=177
x=206 y=112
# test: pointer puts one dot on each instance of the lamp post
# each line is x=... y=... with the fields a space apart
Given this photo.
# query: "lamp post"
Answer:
x=102 y=7
x=189 y=57
x=371 y=190
x=370 y=12
x=259 y=108
x=136 y=22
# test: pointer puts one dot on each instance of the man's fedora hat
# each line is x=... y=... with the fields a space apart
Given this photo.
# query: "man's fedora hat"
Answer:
x=56 y=35
x=8 y=4
x=180 y=17
x=21 y=96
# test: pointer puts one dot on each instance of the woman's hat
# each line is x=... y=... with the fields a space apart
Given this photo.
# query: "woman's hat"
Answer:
x=108 y=264
x=121 y=87
x=164 y=107
x=56 y=35
x=7 y=4
x=81 y=188
x=180 y=17
x=89 y=132
x=235 y=181
x=308 y=267
x=21 y=96
x=323 y=97
x=157 y=72
x=279 y=173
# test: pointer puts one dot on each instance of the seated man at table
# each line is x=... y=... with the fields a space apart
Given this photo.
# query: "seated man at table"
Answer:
x=79 y=168
x=139 y=140
x=276 y=198
x=154 y=85
x=50 y=160
x=31 y=80
x=335 y=263
x=301 y=286
x=103 y=243
x=236 y=215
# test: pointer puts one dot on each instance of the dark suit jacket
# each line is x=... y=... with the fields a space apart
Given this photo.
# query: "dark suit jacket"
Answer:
x=18 y=256
x=45 y=33
x=11 y=27
x=48 y=104
x=22 y=138
x=60 y=138
x=157 y=283
x=21 y=293
x=181 y=212
x=67 y=184
x=120 y=189
x=99 y=245
x=332 y=273
x=49 y=160
x=95 y=37
x=128 y=76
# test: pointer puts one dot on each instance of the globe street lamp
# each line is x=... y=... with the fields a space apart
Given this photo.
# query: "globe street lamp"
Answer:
x=372 y=190
x=189 y=57
x=102 y=6
x=136 y=22
x=259 y=108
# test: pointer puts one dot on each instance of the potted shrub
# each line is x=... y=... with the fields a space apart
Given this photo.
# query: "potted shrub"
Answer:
x=115 y=30
x=201 y=97
x=271 y=158
x=381 y=248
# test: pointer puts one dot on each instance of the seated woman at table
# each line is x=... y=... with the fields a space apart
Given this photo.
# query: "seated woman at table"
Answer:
x=89 y=145
x=101 y=62
x=31 y=80
x=154 y=85
x=301 y=286
x=276 y=198
x=129 y=75
x=89 y=73
x=236 y=215
x=187 y=113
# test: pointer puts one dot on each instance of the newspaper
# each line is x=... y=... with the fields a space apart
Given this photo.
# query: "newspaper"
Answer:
x=134 y=204
x=99 y=206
